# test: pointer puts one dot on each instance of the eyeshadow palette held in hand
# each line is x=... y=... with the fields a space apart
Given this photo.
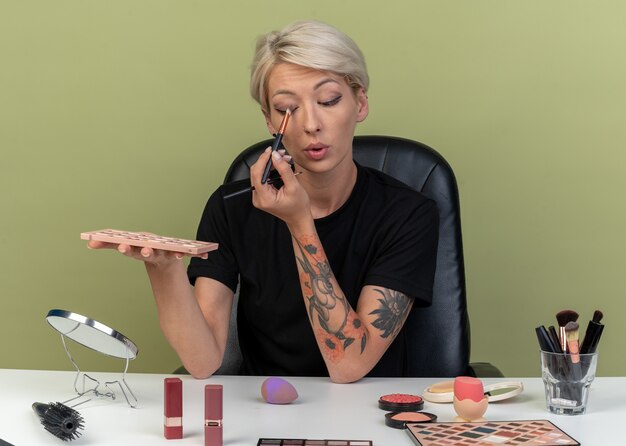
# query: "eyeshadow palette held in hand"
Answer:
x=147 y=240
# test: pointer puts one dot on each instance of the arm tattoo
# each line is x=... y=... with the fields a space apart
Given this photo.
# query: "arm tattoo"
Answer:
x=341 y=328
x=394 y=308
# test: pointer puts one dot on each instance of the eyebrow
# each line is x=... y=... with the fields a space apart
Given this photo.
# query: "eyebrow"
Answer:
x=316 y=87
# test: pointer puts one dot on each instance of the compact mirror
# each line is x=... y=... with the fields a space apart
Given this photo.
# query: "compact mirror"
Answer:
x=92 y=334
x=443 y=392
x=503 y=391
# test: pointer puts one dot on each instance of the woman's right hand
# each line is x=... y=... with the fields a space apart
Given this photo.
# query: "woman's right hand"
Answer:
x=290 y=203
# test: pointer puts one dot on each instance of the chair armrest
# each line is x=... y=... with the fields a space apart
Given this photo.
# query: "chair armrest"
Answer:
x=485 y=370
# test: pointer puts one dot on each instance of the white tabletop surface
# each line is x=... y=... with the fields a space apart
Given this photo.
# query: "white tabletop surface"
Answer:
x=323 y=410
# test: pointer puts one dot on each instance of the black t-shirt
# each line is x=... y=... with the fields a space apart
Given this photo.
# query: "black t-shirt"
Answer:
x=384 y=235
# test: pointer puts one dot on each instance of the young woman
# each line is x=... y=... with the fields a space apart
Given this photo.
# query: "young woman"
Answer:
x=330 y=264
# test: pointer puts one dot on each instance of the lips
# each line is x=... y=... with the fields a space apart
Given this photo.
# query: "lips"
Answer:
x=316 y=151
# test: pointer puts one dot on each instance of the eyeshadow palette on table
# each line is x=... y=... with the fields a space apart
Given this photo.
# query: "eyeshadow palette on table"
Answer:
x=487 y=433
x=304 y=442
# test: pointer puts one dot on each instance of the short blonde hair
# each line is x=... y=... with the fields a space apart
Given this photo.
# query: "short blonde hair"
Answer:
x=309 y=44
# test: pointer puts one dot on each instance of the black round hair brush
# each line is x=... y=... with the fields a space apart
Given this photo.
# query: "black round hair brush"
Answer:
x=60 y=420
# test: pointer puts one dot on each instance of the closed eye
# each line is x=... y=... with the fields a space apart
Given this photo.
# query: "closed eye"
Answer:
x=332 y=102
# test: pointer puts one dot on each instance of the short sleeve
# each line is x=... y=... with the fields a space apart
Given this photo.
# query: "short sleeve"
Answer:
x=214 y=227
x=408 y=255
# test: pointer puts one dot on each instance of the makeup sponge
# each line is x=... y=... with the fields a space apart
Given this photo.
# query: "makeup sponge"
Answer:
x=466 y=387
x=278 y=391
x=470 y=402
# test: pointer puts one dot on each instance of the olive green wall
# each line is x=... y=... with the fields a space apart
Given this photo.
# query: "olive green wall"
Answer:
x=126 y=114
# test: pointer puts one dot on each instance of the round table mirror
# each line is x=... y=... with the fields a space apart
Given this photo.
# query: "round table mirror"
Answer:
x=92 y=334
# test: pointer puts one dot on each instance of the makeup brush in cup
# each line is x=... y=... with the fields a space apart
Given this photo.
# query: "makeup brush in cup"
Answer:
x=593 y=333
x=554 y=337
x=571 y=334
x=562 y=318
x=592 y=337
x=60 y=420
x=545 y=343
x=595 y=340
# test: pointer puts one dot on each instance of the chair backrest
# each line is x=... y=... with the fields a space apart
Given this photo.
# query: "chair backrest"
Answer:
x=436 y=338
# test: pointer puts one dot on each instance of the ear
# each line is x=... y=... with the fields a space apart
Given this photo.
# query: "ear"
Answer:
x=268 y=122
x=363 y=107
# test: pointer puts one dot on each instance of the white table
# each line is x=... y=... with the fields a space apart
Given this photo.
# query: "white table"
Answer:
x=323 y=410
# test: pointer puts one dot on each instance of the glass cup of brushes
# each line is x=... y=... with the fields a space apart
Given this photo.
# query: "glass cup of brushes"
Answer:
x=568 y=367
x=567 y=378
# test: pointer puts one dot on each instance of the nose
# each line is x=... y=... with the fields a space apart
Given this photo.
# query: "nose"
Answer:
x=310 y=120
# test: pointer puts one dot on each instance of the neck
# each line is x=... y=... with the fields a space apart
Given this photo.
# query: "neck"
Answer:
x=328 y=191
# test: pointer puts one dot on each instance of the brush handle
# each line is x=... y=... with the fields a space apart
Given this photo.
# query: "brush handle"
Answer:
x=587 y=340
x=596 y=339
x=277 y=141
x=251 y=188
x=562 y=338
x=555 y=339
x=592 y=336
x=268 y=166
x=575 y=358
x=544 y=339
x=41 y=409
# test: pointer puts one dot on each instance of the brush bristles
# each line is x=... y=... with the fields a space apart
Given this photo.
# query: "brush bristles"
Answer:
x=565 y=316
x=60 y=420
x=597 y=316
x=571 y=331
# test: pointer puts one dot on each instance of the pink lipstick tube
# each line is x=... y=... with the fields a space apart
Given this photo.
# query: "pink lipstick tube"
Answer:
x=173 y=408
x=213 y=415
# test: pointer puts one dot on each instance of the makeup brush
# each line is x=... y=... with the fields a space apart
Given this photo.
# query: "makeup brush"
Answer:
x=251 y=188
x=277 y=141
x=593 y=333
x=545 y=343
x=554 y=337
x=60 y=420
x=562 y=318
x=595 y=340
x=571 y=334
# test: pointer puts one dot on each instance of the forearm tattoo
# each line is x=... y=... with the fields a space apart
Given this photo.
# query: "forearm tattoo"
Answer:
x=338 y=326
x=394 y=308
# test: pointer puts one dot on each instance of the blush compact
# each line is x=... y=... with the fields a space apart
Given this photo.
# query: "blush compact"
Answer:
x=398 y=420
x=401 y=402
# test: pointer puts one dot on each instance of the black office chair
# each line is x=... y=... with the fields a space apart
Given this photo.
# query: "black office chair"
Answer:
x=436 y=342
